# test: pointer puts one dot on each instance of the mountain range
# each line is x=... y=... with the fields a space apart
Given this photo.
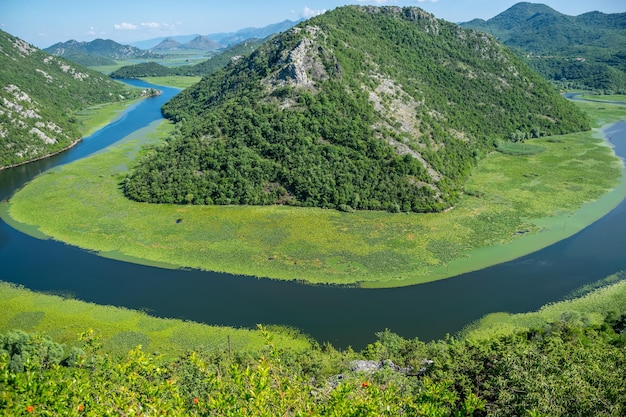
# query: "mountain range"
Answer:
x=98 y=52
x=202 y=43
x=39 y=96
x=586 y=51
x=225 y=39
x=359 y=108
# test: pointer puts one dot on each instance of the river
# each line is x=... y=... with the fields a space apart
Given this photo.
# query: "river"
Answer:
x=342 y=316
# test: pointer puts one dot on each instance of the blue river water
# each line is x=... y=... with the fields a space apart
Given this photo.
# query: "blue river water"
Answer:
x=342 y=316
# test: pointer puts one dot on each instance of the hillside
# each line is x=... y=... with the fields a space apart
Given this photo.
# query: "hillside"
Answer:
x=360 y=108
x=39 y=93
x=586 y=51
x=153 y=69
x=97 y=52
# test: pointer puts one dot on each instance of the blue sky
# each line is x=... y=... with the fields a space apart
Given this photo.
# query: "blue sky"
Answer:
x=45 y=22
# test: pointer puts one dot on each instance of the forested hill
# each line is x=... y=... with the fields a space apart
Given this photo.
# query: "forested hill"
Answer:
x=359 y=108
x=586 y=51
x=39 y=94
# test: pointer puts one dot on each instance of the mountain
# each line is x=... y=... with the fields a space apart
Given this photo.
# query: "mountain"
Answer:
x=359 y=108
x=198 y=43
x=152 y=69
x=39 y=93
x=586 y=51
x=241 y=35
x=226 y=39
x=168 y=44
x=97 y=52
x=202 y=43
x=151 y=43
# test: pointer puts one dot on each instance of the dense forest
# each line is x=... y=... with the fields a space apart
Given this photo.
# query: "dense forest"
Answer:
x=39 y=97
x=566 y=368
x=223 y=58
x=360 y=108
x=586 y=51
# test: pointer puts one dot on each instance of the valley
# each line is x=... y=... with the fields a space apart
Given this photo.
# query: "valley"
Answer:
x=379 y=188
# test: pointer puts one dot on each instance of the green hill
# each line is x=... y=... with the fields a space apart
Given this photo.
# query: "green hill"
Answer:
x=39 y=94
x=586 y=51
x=359 y=108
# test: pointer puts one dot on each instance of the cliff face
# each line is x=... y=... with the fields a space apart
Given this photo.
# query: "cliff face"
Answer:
x=366 y=107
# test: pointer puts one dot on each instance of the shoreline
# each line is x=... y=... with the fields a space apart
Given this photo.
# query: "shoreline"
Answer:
x=39 y=158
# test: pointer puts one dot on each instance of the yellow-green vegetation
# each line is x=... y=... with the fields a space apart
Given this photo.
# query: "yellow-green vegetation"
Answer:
x=507 y=200
x=567 y=360
x=122 y=329
x=592 y=308
x=96 y=117
x=173 y=81
x=620 y=98
x=602 y=113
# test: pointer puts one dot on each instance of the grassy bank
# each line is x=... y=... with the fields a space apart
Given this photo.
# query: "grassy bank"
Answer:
x=619 y=98
x=509 y=199
x=96 y=117
x=173 y=81
x=592 y=307
x=121 y=329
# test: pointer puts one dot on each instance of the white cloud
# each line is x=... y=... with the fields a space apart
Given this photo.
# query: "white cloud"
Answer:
x=91 y=31
x=125 y=26
x=151 y=25
x=307 y=12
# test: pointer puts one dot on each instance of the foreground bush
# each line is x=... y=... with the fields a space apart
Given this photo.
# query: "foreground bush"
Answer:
x=566 y=368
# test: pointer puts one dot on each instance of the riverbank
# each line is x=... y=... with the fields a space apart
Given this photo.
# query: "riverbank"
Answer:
x=90 y=120
x=120 y=329
x=81 y=204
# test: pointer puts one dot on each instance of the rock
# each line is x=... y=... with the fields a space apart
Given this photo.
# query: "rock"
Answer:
x=373 y=366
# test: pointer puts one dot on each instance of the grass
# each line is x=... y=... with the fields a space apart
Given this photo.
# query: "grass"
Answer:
x=603 y=113
x=590 y=309
x=620 y=98
x=519 y=148
x=122 y=329
x=173 y=81
x=509 y=200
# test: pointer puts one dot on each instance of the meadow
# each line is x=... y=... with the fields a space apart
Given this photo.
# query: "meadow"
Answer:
x=557 y=189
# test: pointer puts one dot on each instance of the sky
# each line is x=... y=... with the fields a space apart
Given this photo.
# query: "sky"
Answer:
x=46 y=22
